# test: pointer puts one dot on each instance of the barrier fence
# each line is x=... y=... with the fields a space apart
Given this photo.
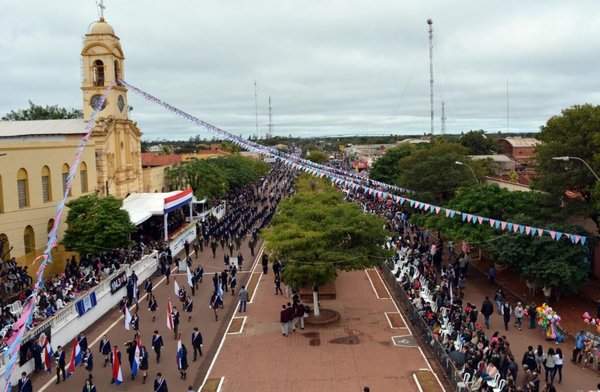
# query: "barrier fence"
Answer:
x=419 y=324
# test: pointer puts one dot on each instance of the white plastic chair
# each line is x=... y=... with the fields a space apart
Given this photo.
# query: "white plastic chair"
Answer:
x=494 y=383
x=501 y=386
x=464 y=384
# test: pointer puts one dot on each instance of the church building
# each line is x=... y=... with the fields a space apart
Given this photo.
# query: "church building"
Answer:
x=38 y=154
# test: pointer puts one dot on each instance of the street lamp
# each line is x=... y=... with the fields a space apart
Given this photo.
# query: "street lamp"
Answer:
x=472 y=171
x=566 y=159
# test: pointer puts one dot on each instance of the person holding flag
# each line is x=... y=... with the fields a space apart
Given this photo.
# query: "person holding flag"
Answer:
x=115 y=359
x=47 y=355
x=182 y=362
x=127 y=318
x=76 y=358
x=190 y=280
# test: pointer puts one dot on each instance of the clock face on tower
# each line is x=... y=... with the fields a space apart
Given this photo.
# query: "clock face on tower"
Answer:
x=95 y=102
x=121 y=103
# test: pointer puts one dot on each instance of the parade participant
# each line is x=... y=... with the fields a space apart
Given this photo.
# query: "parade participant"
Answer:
x=24 y=384
x=232 y=284
x=188 y=306
x=144 y=356
x=148 y=287
x=105 y=349
x=175 y=316
x=112 y=359
x=88 y=386
x=152 y=306
x=88 y=360
x=215 y=302
x=135 y=322
x=278 y=285
x=197 y=342
x=59 y=358
x=183 y=362
x=160 y=384
x=157 y=343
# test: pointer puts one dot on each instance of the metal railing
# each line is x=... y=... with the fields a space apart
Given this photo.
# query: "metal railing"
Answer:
x=69 y=312
x=417 y=321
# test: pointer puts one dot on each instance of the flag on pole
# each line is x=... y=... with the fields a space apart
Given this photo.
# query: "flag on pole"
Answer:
x=189 y=277
x=127 y=318
x=135 y=293
x=117 y=373
x=136 y=356
x=220 y=291
x=169 y=316
x=179 y=352
x=47 y=355
x=176 y=287
x=76 y=357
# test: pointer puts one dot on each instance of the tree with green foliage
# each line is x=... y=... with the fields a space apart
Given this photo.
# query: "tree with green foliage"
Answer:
x=38 y=112
x=543 y=260
x=478 y=143
x=240 y=171
x=317 y=156
x=387 y=167
x=432 y=172
x=316 y=233
x=574 y=133
x=97 y=224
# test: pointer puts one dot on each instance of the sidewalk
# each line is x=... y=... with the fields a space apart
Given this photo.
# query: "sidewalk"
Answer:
x=574 y=377
x=356 y=351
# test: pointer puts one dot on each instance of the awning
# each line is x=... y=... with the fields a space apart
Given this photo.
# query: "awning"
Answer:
x=142 y=206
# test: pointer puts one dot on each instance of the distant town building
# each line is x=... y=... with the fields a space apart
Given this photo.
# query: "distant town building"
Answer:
x=501 y=164
x=521 y=149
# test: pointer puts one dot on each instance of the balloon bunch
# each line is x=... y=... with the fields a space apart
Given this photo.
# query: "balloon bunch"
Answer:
x=590 y=320
x=549 y=321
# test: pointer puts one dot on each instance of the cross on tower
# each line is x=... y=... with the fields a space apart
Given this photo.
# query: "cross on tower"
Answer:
x=101 y=7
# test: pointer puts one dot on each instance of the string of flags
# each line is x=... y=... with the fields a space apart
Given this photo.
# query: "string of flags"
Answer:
x=26 y=318
x=351 y=181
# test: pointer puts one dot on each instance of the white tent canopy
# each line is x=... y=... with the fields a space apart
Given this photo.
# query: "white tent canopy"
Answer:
x=142 y=206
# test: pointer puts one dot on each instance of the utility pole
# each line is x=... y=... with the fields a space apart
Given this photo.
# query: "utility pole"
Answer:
x=443 y=118
x=430 y=24
x=270 y=134
x=256 y=110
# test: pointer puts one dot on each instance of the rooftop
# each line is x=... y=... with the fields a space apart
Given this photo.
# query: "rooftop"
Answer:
x=42 y=127
x=518 y=141
x=153 y=159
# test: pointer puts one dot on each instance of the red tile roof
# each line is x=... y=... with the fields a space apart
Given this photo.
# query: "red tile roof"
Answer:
x=154 y=159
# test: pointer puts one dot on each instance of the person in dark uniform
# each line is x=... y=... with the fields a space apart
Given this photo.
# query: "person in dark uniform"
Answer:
x=216 y=281
x=160 y=384
x=251 y=245
x=157 y=343
x=232 y=283
x=59 y=358
x=197 y=342
x=276 y=268
x=152 y=306
x=183 y=362
x=198 y=273
x=167 y=273
x=148 y=287
x=278 y=285
x=24 y=384
x=175 y=316
x=186 y=247
x=188 y=306
x=105 y=349
x=265 y=263
x=37 y=355
x=240 y=260
x=215 y=303
x=88 y=360
x=224 y=280
x=135 y=322
x=88 y=386
x=213 y=247
x=131 y=355
x=196 y=248
x=144 y=362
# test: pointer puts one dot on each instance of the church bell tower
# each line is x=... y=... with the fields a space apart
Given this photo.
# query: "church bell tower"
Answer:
x=117 y=138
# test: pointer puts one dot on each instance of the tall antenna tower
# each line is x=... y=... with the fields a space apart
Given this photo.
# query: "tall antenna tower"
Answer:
x=430 y=24
x=256 y=110
x=443 y=118
x=507 y=110
x=270 y=132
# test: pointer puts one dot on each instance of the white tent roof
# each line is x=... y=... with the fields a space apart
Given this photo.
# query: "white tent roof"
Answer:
x=142 y=206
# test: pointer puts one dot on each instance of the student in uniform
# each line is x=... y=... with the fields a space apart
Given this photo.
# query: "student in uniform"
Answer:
x=144 y=362
x=148 y=287
x=160 y=384
x=175 y=316
x=59 y=358
x=105 y=349
x=24 y=384
x=88 y=386
x=135 y=322
x=88 y=360
x=188 y=306
x=112 y=359
x=157 y=343
x=197 y=342
x=152 y=306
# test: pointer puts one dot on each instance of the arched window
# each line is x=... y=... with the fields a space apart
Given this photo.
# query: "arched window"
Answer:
x=46 y=185
x=23 y=188
x=98 y=73
x=50 y=225
x=4 y=247
x=83 y=177
x=117 y=70
x=1 y=197
x=65 y=178
x=29 y=242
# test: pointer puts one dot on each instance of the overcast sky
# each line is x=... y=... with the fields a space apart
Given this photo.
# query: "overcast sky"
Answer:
x=331 y=67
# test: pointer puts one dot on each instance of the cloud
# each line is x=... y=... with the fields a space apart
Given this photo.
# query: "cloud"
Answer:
x=331 y=67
